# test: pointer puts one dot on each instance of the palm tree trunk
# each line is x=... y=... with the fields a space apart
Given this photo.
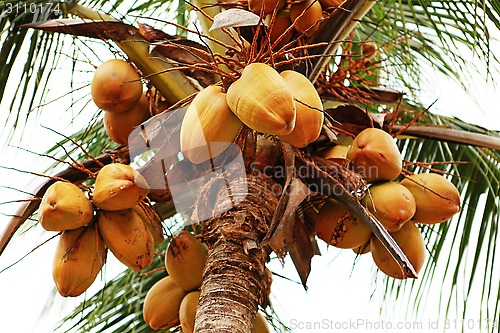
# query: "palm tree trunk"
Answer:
x=234 y=284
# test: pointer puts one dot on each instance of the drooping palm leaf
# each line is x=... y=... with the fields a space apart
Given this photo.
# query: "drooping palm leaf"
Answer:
x=445 y=35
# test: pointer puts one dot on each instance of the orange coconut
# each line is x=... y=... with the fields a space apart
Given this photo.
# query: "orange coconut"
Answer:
x=116 y=86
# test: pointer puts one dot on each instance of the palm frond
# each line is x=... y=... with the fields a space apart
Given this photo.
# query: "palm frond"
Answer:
x=24 y=59
x=445 y=35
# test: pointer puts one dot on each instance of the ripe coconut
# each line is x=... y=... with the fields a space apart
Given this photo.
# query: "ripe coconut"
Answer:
x=336 y=152
x=125 y=234
x=209 y=126
x=309 y=110
x=306 y=16
x=255 y=6
x=162 y=303
x=337 y=226
x=391 y=203
x=412 y=244
x=79 y=256
x=185 y=260
x=187 y=311
x=262 y=100
x=119 y=186
x=118 y=126
x=277 y=30
x=375 y=155
x=151 y=220
x=116 y=86
x=437 y=199
x=64 y=206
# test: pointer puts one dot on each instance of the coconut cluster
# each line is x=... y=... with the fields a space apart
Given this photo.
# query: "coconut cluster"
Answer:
x=284 y=104
x=173 y=299
x=117 y=89
x=425 y=198
x=305 y=17
x=116 y=218
x=299 y=18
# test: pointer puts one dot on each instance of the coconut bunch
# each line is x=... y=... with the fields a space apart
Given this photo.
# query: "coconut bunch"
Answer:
x=284 y=104
x=128 y=226
x=80 y=252
x=303 y=17
x=426 y=198
x=116 y=218
x=117 y=89
x=173 y=300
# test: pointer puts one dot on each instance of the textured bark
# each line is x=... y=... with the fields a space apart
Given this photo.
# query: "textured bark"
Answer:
x=234 y=282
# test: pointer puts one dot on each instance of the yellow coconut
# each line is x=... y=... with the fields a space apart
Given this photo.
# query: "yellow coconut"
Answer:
x=79 y=256
x=209 y=126
x=255 y=6
x=262 y=100
x=118 y=126
x=336 y=152
x=116 y=86
x=437 y=199
x=187 y=311
x=162 y=304
x=412 y=244
x=306 y=16
x=375 y=155
x=64 y=206
x=125 y=234
x=185 y=260
x=151 y=220
x=119 y=186
x=337 y=226
x=309 y=110
x=391 y=203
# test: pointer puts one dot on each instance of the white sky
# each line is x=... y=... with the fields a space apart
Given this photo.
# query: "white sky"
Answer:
x=338 y=293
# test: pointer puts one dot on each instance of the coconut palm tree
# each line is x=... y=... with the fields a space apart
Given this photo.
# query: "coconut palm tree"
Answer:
x=413 y=38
